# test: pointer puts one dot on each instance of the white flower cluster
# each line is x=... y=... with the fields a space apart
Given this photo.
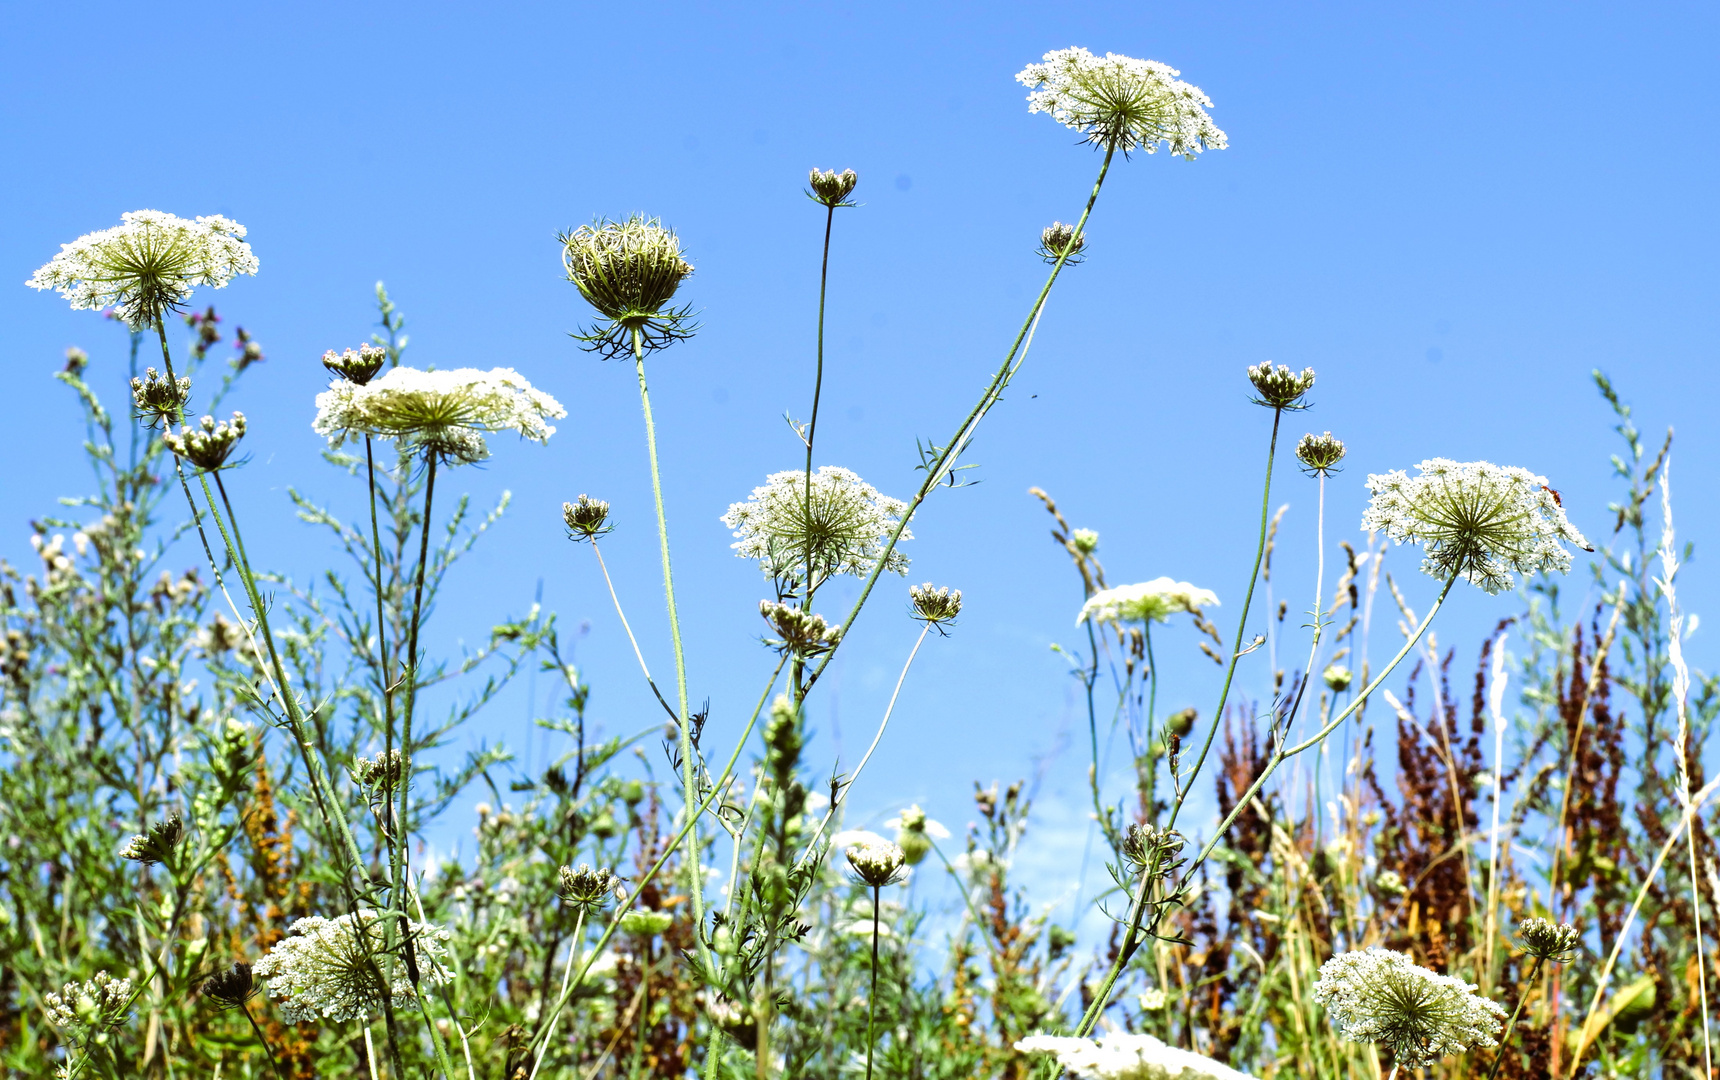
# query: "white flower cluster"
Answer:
x=1379 y=996
x=1121 y=1056
x=841 y=525
x=1476 y=519
x=323 y=969
x=440 y=412
x=154 y=257
x=1157 y=600
x=89 y=1007
x=1122 y=102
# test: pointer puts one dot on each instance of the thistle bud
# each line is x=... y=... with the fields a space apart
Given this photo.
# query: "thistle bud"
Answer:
x=1338 y=678
x=1549 y=941
x=159 y=398
x=156 y=846
x=586 y=519
x=358 y=365
x=1319 y=454
x=831 y=188
x=210 y=444
x=1280 y=388
x=231 y=988
x=1060 y=242
x=587 y=888
x=935 y=605
x=876 y=864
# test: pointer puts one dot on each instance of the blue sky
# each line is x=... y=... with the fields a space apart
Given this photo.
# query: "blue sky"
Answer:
x=1452 y=211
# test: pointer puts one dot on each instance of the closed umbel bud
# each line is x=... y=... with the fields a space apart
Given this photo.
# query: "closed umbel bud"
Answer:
x=1280 y=388
x=1319 y=454
x=158 y=845
x=1547 y=940
x=210 y=444
x=158 y=397
x=587 y=888
x=876 y=864
x=799 y=632
x=831 y=188
x=935 y=605
x=586 y=519
x=1059 y=241
x=358 y=365
x=233 y=987
x=1338 y=678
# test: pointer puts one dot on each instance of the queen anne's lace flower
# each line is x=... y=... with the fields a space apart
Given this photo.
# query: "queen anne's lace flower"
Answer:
x=841 y=528
x=1122 y=102
x=1121 y=1056
x=445 y=413
x=1475 y=519
x=1379 y=996
x=84 y=1010
x=147 y=265
x=876 y=864
x=1157 y=599
x=322 y=969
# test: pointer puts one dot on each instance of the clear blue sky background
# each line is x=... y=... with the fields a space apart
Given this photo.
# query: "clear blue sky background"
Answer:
x=1452 y=211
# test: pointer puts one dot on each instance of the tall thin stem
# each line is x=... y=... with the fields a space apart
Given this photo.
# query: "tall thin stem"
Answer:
x=402 y=817
x=566 y=977
x=1511 y=1024
x=817 y=392
x=872 y=1000
x=616 y=600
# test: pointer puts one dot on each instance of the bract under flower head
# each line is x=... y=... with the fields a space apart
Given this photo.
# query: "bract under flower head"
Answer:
x=336 y=969
x=629 y=271
x=148 y=265
x=442 y=413
x=1157 y=600
x=1122 y=103
x=1122 y=1056
x=1379 y=996
x=1058 y=241
x=831 y=188
x=840 y=528
x=1475 y=519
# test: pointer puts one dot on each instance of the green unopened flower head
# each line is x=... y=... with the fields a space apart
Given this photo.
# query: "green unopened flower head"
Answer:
x=935 y=606
x=915 y=833
x=584 y=887
x=159 y=399
x=1546 y=940
x=876 y=864
x=1319 y=454
x=1280 y=388
x=378 y=777
x=157 y=845
x=1338 y=678
x=209 y=444
x=831 y=188
x=798 y=632
x=1147 y=845
x=358 y=365
x=89 y=1009
x=646 y=923
x=1059 y=241
x=231 y=988
x=1086 y=541
x=586 y=519
x=629 y=271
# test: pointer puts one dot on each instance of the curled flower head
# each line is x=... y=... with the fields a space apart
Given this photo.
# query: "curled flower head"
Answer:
x=1280 y=388
x=159 y=399
x=1122 y=103
x=935 y=606
x=441 y=413
x=1474 y=519
x=210 y=444
x=839 y=527
x=337 y=969
x=584 y=887
x=915 y=833
x=629 y=271
x=157 y=845
x=89 y=1009
x=1156 y=600
x=586 y=519
x=1059 y=241
x=231 y=988
x=1319 y=454
x=1337 y=677
x=1122 y=1056
x=1547 y=940
x=831 y=188
x=147 y=265
x=798 y=632
x=358 y=365
x=876 y=864
x=1379 y=996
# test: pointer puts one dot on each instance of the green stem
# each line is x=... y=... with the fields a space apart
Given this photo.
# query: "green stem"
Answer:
x=1511 y=1024
x=273 y=1062
x=817 y=392
x=872 y=1001
x=566 y=976
x=689 y=770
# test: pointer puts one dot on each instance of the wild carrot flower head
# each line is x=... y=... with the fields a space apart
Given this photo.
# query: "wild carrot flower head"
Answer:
x=1156 y=600
x=876 y=864
x=1319 y=454
x=1379 y=996
x=915 y=833
x=442 y=413
x=629 y=271
x=336 y=969
x=231 y=988
x=147 y=265
x=1337 y=677
x=798 y=632
x=210 y=444
x=839 y=529
x=586 y=519
x=831 y=188
x=88 y=1009
x=1120 y=102
x=1086 y=541
x=155 y=846
x=358 y=365
x=1547 y=940
x=1122 y=1056
x=1059 y=240
x=159 y=399
x=584 y=887
x=935 y=606
x=1147 y=845
x=1475 y=519
x=1280 y=388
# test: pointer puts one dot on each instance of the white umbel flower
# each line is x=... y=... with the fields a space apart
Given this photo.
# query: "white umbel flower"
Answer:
x=147 y=265
x=841 y=526
x=1118 y=101
x=1379 y=996
x=322 y=969
x=441 y=412
x=1473 y=518
x=1121 y=1056
x=1157 y=600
